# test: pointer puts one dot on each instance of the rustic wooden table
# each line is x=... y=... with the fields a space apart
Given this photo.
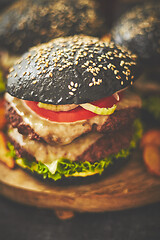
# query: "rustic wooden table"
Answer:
x=26 y=223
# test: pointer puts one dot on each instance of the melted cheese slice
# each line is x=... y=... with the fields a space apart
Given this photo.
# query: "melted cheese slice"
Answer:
x=50 y=154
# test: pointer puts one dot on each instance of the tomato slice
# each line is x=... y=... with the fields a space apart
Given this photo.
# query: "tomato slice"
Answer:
x=74 y=115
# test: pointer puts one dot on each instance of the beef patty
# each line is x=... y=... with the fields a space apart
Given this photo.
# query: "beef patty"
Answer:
x=65 y=133
x=89 y=147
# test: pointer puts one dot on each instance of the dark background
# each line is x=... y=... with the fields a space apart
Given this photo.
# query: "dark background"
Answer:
x=19 y=222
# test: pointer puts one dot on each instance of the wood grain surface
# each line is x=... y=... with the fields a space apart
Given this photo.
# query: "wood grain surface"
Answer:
x=129 y=187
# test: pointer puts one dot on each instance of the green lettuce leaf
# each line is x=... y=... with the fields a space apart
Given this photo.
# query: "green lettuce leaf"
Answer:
x=68 y=168
x=2 y=83
x=152 y=105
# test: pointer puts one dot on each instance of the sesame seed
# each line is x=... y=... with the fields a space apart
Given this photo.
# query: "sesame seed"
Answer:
x=19 y=61
x=11 y=70
x=91 y=84
x=116 y=71
x=121 y=63
x=133 y=56
x=74 y=89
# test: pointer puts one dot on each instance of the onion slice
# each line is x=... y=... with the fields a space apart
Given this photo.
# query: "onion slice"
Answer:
x=98 y=110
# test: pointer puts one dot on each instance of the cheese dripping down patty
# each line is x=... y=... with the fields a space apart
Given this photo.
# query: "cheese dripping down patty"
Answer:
x=49 y=154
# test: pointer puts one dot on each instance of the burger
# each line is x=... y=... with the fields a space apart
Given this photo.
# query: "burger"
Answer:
x=69 y=113
x=27 y=23
x=139 y=30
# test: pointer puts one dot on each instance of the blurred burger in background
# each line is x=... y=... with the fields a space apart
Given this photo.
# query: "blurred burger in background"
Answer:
x=138 y=30
x=27 y=23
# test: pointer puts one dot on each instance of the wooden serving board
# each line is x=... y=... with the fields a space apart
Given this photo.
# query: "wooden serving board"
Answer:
x=129 y=187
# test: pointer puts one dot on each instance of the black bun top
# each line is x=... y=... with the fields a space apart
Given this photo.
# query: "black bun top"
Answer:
x=139 y=31
x=29 y=22
x=71 y=70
